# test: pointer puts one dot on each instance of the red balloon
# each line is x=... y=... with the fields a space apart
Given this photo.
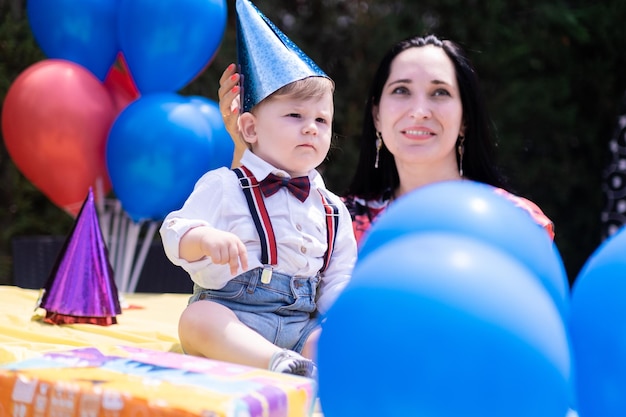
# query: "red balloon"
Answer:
x=120 y=84
x=55 y=121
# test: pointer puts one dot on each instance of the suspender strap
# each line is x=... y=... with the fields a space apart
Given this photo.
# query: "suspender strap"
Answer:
x=263 y=224
x=332 y=223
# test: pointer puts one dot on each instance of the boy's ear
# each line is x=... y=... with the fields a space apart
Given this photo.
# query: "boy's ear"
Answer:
x=247 y=127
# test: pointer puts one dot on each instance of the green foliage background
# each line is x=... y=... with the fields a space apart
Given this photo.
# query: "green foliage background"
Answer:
x=553 y=73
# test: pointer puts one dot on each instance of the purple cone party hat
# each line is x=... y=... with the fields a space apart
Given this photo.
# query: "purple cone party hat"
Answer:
x=268 y=60
x=81 y=287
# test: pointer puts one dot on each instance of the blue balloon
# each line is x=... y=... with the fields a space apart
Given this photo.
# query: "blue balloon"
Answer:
x=157 y=149
x=168 y=43
x=598 y=330
x=474 y=209
x=439 y=325
x=84 y=32
x=222 y=143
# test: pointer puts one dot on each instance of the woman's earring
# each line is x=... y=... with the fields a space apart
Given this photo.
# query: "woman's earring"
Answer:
x=461 y=150
x=379 y=144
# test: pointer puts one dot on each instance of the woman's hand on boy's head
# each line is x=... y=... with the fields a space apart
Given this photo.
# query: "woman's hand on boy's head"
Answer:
x=228 y=94
x=229 y=103
x=224 y=248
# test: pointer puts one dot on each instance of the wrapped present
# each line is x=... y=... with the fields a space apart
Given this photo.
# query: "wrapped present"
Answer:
x=140 y=382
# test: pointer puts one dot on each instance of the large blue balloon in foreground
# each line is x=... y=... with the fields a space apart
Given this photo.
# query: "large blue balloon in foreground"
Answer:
x=443 y=325
x=598 y=330
x=475 y=210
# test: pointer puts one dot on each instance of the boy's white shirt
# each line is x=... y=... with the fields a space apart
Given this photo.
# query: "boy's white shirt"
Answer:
x=300 y=228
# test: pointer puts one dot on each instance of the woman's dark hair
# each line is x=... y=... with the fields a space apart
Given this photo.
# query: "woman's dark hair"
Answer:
x=479 y=157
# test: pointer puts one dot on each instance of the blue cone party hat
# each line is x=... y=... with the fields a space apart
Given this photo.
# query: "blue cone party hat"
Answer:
x=268 y=60
x=81 y=286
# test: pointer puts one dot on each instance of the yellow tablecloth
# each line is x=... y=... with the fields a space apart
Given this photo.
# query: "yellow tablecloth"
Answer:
x=151 y=322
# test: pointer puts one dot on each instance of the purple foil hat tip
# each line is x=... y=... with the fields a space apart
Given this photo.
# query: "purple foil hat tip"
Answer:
x=82 y=282
x=268 y=59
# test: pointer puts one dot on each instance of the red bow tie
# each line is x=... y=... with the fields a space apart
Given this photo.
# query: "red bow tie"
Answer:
x=299 y=186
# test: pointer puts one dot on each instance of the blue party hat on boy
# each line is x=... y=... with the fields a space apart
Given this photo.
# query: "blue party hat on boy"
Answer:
x=268 y=59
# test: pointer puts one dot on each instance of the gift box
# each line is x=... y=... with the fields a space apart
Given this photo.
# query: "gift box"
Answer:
x=139 y=382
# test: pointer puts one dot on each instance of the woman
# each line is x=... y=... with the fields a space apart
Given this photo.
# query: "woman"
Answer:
x=425 y=121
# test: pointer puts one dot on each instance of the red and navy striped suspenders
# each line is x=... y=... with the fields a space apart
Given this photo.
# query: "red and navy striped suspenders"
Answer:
x=263 y=223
